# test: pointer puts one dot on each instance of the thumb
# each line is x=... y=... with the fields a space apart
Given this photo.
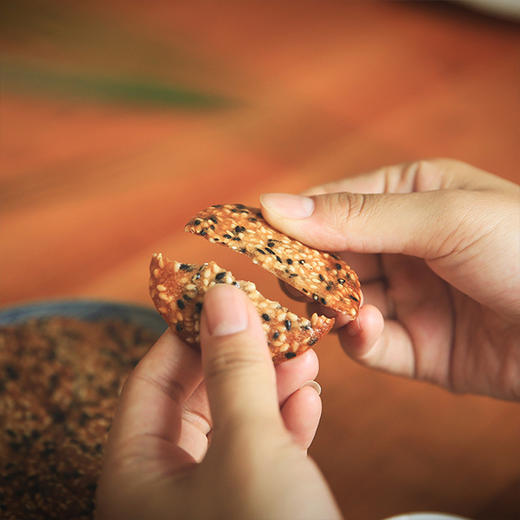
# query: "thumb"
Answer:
x=410 y=223
x=239 y=373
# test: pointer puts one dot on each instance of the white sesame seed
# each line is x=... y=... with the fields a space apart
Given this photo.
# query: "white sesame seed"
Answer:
x=161 y=288
x=165 y=297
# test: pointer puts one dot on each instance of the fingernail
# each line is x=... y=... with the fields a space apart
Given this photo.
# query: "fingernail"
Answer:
x=288 y=205
x=354 y=328
x=225 y=310
x=313 y=384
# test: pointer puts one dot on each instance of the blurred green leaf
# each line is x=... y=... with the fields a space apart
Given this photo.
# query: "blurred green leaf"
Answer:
x=101 y=88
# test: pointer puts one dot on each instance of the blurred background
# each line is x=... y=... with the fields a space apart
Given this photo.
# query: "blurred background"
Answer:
x=121 y=119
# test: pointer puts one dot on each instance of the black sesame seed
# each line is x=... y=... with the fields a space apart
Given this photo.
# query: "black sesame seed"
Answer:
x=216 y=206
x=288 y=324
x=276 y=335
x=301 y=261
x=338 y=267
x=11 y=372
x=240 y=206
x=234 y=210
x=198 y=306
x=252 y=219
x=271 y=243
x=196 y=221
x=203 y=233
x=305 y=290
x=290 y=355
x=289 y=261
x=212 y=227
x=312 y=341
x=178 y=326
x=197 y=277
x=266 y=317
x=221 y=275
x=243 y=250
x=269 y=250
x=180 y=304
x=306 y=327
x=213 y=219
x=279 y=259
x=320 y=276
x=238 y=229
x=293 y=275
x=185 y=267
x=315 y=297
x=235 y=283
x=329 y=286
x=58 y=416
x=260 y=251
x=353 y=298
x=228 y=236
x=341 y=281
x=323 y=301
x=334 y=256
x=83 y=418
x=237 y=239
x=186 y=297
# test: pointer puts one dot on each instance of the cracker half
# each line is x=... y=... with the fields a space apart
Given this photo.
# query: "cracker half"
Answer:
x=178 y=290
x=321 y=276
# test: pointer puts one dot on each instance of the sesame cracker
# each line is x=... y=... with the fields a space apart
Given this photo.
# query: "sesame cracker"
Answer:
x=320 y=276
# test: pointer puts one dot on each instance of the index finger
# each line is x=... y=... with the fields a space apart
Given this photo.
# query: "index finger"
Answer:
x=423 y=175
x=153 y=396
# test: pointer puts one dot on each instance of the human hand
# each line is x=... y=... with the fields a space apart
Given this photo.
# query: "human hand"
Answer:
x=437 y=247
x=157 y=462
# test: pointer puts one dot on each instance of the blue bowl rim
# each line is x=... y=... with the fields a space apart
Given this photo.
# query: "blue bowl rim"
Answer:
x=86 y=309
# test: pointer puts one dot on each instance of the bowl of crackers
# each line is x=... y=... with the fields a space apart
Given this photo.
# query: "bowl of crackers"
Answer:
x=62 y=365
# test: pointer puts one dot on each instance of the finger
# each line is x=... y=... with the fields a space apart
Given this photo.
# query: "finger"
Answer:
x=374 y=293
x=418 y=224
x=239 y=373
x=379 y=344
x=293 y=374
x=367 y=267
x=301 y=414
x=153 y=396
x=292 y=292
x=425 y=175
x=196 y=420
x=196 y=424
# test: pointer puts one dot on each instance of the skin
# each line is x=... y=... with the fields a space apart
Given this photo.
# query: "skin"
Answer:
x=260 y=422
x=437 y=248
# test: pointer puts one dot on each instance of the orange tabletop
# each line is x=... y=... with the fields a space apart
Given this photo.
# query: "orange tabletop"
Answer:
x=119 y=120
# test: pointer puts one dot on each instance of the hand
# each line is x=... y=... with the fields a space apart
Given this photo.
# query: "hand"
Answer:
x=158 y=464
x=437 y=248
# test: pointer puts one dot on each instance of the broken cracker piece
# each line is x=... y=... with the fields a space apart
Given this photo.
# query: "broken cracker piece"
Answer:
x=322 y=277
x=178 y=290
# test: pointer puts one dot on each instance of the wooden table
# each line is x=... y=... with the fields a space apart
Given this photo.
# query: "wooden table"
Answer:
x=119 y=120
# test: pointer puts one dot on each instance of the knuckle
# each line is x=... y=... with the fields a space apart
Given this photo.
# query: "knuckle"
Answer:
x=172 y=388
x=342 y=207
x=233 y=362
